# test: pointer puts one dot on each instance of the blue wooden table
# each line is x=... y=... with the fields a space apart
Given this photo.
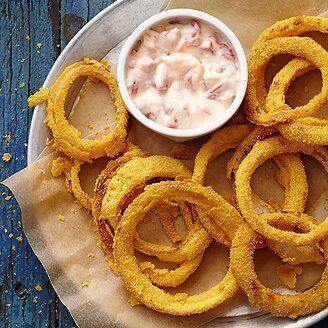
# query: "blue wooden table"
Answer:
x=33 y=33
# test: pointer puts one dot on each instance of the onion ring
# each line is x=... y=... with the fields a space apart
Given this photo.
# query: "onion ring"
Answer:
x=159 y=277
x=242 y=265
x=135 y=174
x=136 y=282
x=67 y=138
x=262 y=151
x=261 y=55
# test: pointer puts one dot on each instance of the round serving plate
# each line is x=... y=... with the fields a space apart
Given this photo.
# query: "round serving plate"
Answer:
x=104 y=32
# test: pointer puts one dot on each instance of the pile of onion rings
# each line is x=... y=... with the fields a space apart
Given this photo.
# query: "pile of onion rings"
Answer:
x=136 y=185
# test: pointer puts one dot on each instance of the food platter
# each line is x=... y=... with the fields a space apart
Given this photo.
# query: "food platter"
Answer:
x=95 y=40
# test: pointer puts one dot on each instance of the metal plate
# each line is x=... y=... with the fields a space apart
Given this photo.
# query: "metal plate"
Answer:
x=96 y=39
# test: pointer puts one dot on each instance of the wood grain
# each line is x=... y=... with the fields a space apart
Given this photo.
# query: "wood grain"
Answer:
x=24 y=66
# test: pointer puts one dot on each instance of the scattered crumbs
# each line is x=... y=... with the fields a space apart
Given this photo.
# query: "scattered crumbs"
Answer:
x=8 y=197
x=39 y=45
x=6 y=157
x=22 y=85
x=7 y=137
x=10 y=235
x=40 y=312
x=38 y=288
x=61 y=217
x=25 y=144
x=106 y=127
x=13 y=247
x=35 y=299
x=84 y=284
x=19 y=239
x=306 y=90
x=90 y=126
x=48 y=141
x=28 y=38
x=91 y=255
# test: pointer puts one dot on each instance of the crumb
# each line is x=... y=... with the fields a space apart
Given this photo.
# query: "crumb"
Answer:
x=28 y=38
x=38 y=288
x=6 y=157
x=48 y=141
x=8 y=197
x=61 y=217
x=22 y=85
x=91 y=255
x=106 y=127
x=90 y=126
x=40 y=311
x=5 y=230
x=35 y=299
x=25 y=144
x=306 y=90
x=7 y=137
x=287 y=274
x=19 y=239
x=0 y=90
x=39 y=45
x=57 y=45
x=22 y=60
x=84 y=284
x=13 y=247
x=97 y=132
x=10 y=235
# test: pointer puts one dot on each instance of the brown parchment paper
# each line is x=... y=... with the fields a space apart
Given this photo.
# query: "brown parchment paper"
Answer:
x=63 y=247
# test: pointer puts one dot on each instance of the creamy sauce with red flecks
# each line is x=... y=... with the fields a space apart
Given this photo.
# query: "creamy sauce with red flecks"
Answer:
x=182 y=74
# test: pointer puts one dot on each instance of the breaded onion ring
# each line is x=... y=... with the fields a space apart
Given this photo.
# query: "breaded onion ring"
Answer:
x=67 y=138
x=159 y=277
x=243 y=268
x=135 y=174
x=261 y=55
x=136 y=282
x=262 y=151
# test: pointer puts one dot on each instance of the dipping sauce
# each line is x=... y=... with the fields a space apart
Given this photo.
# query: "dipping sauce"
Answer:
x=182 y=74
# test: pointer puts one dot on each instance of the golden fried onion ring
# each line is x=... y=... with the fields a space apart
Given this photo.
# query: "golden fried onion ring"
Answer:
x=242 y=265
x=261 y=55
x=67 y=138
x=136 y=173
x=136 y=282
x=262 y=151
x=159 y=277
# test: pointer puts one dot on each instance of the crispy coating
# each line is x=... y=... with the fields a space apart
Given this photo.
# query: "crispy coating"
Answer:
x=262 y=151
x=67 y=138
x=287 y=273
x=266 y=299
x=308 y=130
x=136 y=282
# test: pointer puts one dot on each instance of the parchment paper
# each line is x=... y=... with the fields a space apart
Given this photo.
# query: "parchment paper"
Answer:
x=63 y=247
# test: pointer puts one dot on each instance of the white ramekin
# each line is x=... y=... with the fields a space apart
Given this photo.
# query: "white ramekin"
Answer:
x=181 y=135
